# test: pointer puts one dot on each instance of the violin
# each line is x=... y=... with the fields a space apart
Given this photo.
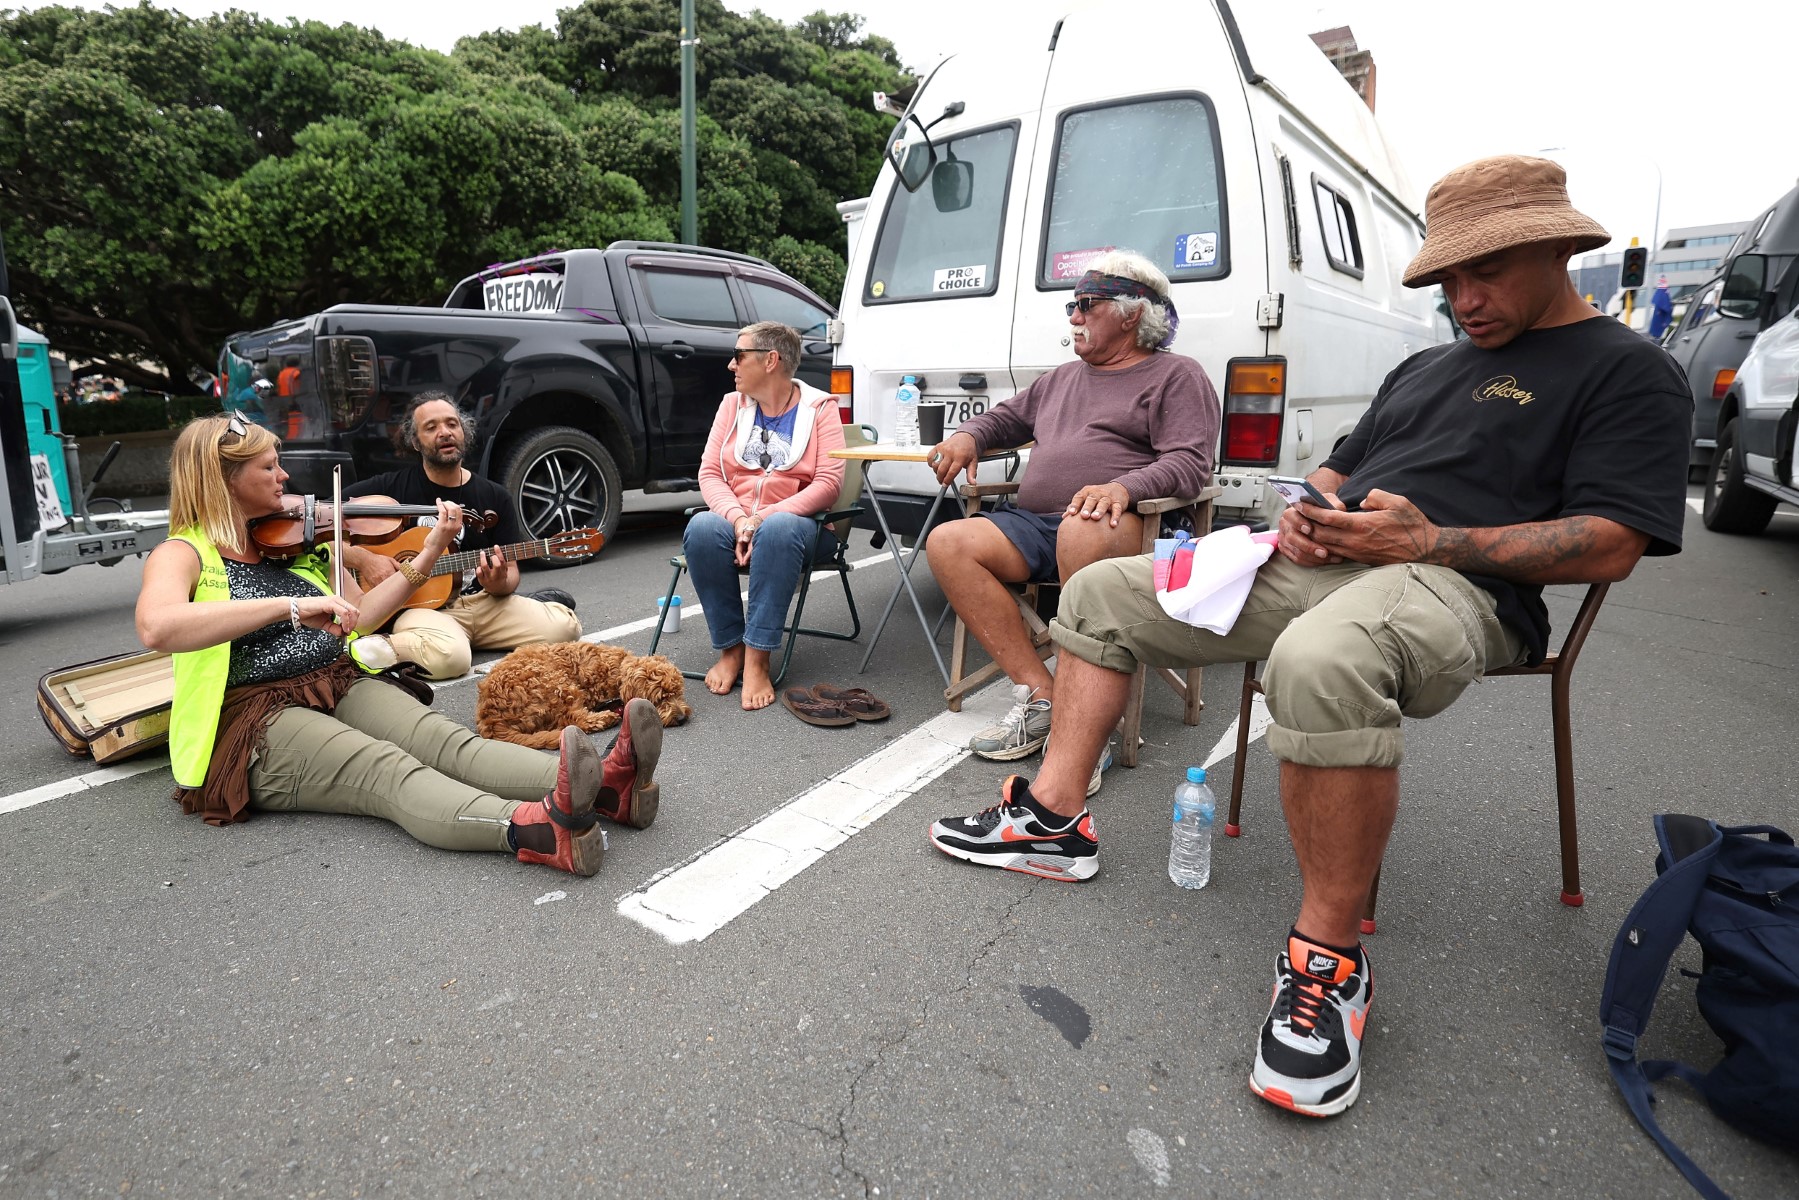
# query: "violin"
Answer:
x=303 y=524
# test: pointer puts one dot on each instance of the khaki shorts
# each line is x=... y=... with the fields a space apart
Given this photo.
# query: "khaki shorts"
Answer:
x=1350 y=649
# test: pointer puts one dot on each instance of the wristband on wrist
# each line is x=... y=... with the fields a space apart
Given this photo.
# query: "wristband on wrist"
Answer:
x=293 y=614
x=413 y=575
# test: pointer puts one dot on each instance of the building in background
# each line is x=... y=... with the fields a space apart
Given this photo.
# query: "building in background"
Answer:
x=1687 y=257
x=1353 y=63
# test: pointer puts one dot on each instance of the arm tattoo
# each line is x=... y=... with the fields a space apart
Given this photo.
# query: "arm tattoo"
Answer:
x=1518 y=551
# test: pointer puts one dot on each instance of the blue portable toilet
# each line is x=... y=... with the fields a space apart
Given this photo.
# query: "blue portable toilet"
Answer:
x=41 y=421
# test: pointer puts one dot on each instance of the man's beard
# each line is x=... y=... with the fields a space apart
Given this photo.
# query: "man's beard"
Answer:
x=450 y=456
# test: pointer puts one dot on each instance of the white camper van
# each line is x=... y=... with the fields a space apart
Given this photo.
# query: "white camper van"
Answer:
x=1221 y=145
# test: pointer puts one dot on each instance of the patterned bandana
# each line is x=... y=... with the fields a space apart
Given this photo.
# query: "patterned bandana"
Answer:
x=1093 y=283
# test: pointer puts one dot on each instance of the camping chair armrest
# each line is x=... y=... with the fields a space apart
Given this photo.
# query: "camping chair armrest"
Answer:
x=1162 y=504
x=841 y=514
x=976 y=491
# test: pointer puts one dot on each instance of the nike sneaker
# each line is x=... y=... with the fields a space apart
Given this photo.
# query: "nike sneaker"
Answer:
x=1310 y=1056
x=1018 y=836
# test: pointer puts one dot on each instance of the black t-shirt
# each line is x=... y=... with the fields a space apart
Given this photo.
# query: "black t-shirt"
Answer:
x=410 y=485
x=1587 y=419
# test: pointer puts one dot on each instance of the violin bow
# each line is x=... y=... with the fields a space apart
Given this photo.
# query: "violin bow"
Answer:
x=337 y=536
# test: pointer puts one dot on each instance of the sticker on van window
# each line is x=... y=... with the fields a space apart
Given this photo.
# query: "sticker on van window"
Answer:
x=1195 y=250
x=959 y=279
x=1072 y=264
x=877 y=289
x=523 y=293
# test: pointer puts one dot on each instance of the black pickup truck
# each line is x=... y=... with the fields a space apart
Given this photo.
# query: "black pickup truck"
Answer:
x=587 y=372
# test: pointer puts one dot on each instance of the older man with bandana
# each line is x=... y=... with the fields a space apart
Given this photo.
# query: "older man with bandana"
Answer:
x=1126 y=422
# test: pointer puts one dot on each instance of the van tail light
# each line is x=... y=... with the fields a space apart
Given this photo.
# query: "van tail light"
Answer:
x=1721 y=383
x=1255 y=403
x=843 y=386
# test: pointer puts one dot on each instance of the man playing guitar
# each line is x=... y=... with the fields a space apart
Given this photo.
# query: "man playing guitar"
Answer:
x=492 y=616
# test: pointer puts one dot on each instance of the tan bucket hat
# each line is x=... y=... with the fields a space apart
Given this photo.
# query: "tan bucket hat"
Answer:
x=1493 y=204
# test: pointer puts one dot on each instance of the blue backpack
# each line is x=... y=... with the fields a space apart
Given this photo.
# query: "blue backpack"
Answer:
x=1739 y=895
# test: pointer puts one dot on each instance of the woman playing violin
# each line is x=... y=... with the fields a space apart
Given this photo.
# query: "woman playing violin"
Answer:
x=270 y=713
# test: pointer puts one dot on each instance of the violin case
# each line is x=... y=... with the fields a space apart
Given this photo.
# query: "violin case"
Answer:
x=112 y=708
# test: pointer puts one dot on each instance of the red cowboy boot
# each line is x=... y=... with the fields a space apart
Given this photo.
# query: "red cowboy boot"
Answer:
x=580 y=842
x=627 y=794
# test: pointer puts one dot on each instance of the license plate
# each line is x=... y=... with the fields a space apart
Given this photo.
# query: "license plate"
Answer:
x=961 y=409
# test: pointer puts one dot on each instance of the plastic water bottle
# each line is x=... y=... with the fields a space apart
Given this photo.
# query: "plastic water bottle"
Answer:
x=1190 y=853
x=670 y=612
x=905 y=420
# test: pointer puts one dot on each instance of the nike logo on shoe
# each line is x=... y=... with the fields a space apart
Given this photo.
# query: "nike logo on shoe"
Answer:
x=1323 y=965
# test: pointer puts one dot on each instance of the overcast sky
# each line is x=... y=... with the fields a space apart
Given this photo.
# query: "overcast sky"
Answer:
x=1703 y=92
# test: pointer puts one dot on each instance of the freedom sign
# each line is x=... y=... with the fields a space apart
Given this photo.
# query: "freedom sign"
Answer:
x=523 y=293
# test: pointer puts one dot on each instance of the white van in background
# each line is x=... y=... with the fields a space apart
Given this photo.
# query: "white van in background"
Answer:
x=1224 y=147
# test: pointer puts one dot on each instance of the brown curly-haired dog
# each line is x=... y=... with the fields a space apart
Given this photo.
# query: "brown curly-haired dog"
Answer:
x=532 y=693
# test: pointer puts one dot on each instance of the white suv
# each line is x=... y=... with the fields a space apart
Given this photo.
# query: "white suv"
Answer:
x=1758 y=424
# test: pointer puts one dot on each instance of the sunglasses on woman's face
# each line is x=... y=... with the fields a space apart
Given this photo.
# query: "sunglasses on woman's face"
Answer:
x=1084 y=303
x=738 y=353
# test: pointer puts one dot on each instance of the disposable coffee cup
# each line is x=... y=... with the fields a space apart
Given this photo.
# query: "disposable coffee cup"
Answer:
x=671 y=614
x=930 y=424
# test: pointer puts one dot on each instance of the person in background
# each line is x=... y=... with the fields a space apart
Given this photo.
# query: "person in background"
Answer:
x=271 y=714
x=766 y=470
x=491 y=614
x=1129 y=420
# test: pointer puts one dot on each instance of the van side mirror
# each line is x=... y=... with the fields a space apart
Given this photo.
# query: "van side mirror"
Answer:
x=952 y=185
x=910 y=151
x=9 y=330
x=1744 y=287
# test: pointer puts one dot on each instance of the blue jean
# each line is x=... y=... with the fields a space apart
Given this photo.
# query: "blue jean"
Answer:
x=781 y=550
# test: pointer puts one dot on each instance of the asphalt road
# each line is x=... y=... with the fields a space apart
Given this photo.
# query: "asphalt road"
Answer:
x=314 y=1006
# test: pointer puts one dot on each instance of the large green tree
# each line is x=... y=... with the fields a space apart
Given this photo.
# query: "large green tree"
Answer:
x=165 y=180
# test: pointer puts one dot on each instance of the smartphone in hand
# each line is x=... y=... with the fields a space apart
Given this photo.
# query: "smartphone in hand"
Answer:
x=1293 y=490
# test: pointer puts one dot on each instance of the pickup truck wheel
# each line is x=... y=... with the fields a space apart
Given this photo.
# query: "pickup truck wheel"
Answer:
x=559 y=479
x=1731 y=505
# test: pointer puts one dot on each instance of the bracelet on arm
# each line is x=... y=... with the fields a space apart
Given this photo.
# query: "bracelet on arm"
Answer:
x=413 y=575
x=293 y=614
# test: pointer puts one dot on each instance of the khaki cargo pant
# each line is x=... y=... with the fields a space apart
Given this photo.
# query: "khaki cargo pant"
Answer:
x=1349 y=649
x=442 y=641
x=383 y=754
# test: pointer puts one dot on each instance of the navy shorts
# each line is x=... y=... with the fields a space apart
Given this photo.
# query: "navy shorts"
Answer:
x=1033 y=533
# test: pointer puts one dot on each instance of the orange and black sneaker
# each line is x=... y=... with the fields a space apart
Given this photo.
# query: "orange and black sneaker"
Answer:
x=1018 y=834
x=1310 y=1056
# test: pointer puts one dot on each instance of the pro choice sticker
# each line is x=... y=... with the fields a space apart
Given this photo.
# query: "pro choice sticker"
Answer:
x=959 y=279
x=877 y=288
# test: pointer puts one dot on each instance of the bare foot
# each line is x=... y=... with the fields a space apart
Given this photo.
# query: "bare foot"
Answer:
x=758 y=688
x=723 y=675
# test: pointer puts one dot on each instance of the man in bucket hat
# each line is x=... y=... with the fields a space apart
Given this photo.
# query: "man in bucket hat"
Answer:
x=1548 y=446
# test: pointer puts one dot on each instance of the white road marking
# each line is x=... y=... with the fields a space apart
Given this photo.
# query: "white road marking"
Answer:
x=1697 y=505
x=93 y=779
x=695 y=899
x=1151 y=1153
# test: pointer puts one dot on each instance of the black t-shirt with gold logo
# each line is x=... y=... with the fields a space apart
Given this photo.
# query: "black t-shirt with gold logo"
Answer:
x=1588 y=419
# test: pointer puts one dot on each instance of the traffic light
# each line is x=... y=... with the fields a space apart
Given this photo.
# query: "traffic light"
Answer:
x=1636 y=267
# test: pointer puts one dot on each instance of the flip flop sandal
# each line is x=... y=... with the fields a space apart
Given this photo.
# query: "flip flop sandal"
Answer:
x=860 y=703
x=813 y=711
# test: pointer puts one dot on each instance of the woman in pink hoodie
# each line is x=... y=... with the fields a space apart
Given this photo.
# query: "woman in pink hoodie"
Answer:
x=766 y=471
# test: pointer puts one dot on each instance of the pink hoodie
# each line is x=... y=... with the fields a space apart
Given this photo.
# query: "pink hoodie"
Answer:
x=806 y=485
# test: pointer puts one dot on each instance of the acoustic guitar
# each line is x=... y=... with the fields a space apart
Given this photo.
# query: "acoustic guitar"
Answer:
x=445 y=581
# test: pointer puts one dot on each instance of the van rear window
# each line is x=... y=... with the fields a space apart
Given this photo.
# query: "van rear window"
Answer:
x=1143 y=176
x=942 y=241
